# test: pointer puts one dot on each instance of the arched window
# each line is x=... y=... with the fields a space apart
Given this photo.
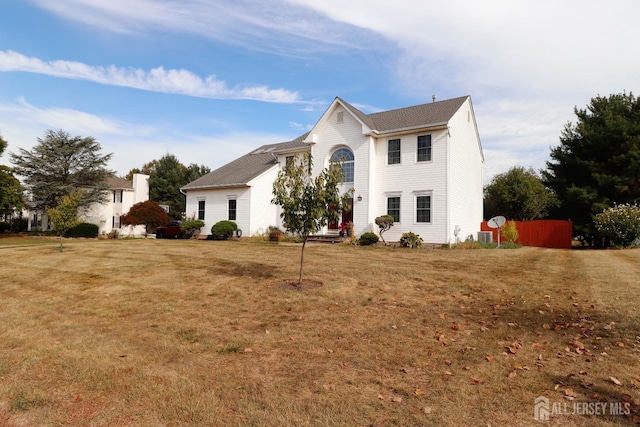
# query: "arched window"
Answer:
x=346 y=156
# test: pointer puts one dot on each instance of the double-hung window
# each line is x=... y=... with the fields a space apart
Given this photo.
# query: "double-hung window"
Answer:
x=393 y=152
x=424 y=148
x=201 y=209
x=233 y=204
x=423 y=208
x=393 y=207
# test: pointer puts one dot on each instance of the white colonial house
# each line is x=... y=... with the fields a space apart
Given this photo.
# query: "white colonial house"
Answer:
x=121 y=196
x=421 y=164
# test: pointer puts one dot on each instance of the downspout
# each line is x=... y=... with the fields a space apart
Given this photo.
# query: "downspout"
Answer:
x=446 y=188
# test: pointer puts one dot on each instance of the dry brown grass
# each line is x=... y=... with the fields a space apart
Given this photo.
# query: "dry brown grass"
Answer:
x=173 y=333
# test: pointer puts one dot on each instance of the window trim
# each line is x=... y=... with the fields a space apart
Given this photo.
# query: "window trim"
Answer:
x=234 y=210
x=429 y=147
x=429 y=209
x=203 y=210
x=351 y=162
x=399 y=209
x=394 y=152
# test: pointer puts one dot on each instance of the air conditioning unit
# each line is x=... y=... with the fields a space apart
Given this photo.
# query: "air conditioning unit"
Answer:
x=485 y=236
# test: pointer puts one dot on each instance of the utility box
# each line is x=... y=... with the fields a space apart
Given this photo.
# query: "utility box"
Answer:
x=485 y=236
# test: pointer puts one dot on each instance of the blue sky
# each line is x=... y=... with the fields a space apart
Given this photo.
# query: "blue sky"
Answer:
x=210 y=80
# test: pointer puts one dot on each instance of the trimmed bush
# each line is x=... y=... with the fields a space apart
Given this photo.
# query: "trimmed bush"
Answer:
x=368 y=238
x=223 y=229
x=83 y=229
x=410 y=240
x=4 y=226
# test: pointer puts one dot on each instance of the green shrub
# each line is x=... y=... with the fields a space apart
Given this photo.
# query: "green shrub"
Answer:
x=368 y=238
x=191 y=227
x=410 y=240
x=4 y=226
x=19 y=225
x=83 y=229
x=509 y=232
x=223 y=229
x=620 y=224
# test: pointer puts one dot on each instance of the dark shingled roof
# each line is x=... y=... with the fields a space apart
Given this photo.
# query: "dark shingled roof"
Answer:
x=424 y=115
x=242 y=170
x=116 y=183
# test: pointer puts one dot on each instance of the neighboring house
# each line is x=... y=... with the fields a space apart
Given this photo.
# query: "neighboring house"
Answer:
x=421 y=164
x=121 y=196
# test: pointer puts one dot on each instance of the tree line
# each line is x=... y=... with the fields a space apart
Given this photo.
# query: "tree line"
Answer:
x=59 y=164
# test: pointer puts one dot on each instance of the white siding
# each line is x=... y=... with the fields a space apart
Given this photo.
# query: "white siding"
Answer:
x=330 y=136
x=409 y=179
x=465 y=176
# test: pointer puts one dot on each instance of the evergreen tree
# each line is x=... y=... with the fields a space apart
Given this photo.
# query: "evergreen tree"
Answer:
x=59 y=165
x=597 y=163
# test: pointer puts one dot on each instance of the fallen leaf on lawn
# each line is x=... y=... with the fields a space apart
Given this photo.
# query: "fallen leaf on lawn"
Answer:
x=619 y=344
x=484 y=328
x=557 y=386
x=396 y=399
x=569 y=392
x=583 y=373
x=546 y=326
x=490 y=358
x=248 y=350
x=615 y=381
x=427 y=409
x=455 y=327
x=448 y=373
x=476 y=380
x=77 y=399
x=419 y=392
x=443 y=315
x=512 y=374
x=381 y=397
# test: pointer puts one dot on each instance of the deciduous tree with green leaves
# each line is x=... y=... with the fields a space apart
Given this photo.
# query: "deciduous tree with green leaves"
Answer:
x=308 y=203
x=11 y=191
x=61 y=164
x=65 y=215
x=517 y=194
x=597 y=163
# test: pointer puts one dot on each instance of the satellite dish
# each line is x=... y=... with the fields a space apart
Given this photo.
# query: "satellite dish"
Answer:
x=496 y=222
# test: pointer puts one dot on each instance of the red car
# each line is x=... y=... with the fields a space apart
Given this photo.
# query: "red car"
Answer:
x=171 y=231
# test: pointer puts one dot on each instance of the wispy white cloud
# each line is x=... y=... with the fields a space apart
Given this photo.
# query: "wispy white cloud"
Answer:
x=182 y=82
x=275 y=26
x=132 y=144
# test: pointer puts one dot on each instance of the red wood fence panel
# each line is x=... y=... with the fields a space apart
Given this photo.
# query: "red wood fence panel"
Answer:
x=545 y=233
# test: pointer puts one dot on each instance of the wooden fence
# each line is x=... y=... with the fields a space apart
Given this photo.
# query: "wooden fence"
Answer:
x=545 y=233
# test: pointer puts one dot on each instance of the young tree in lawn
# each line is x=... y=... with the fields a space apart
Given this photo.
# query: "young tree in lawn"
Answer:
x=308 y=203
x=384 y=222
x=147 y=213
x=61 y=164
x=65 y=215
